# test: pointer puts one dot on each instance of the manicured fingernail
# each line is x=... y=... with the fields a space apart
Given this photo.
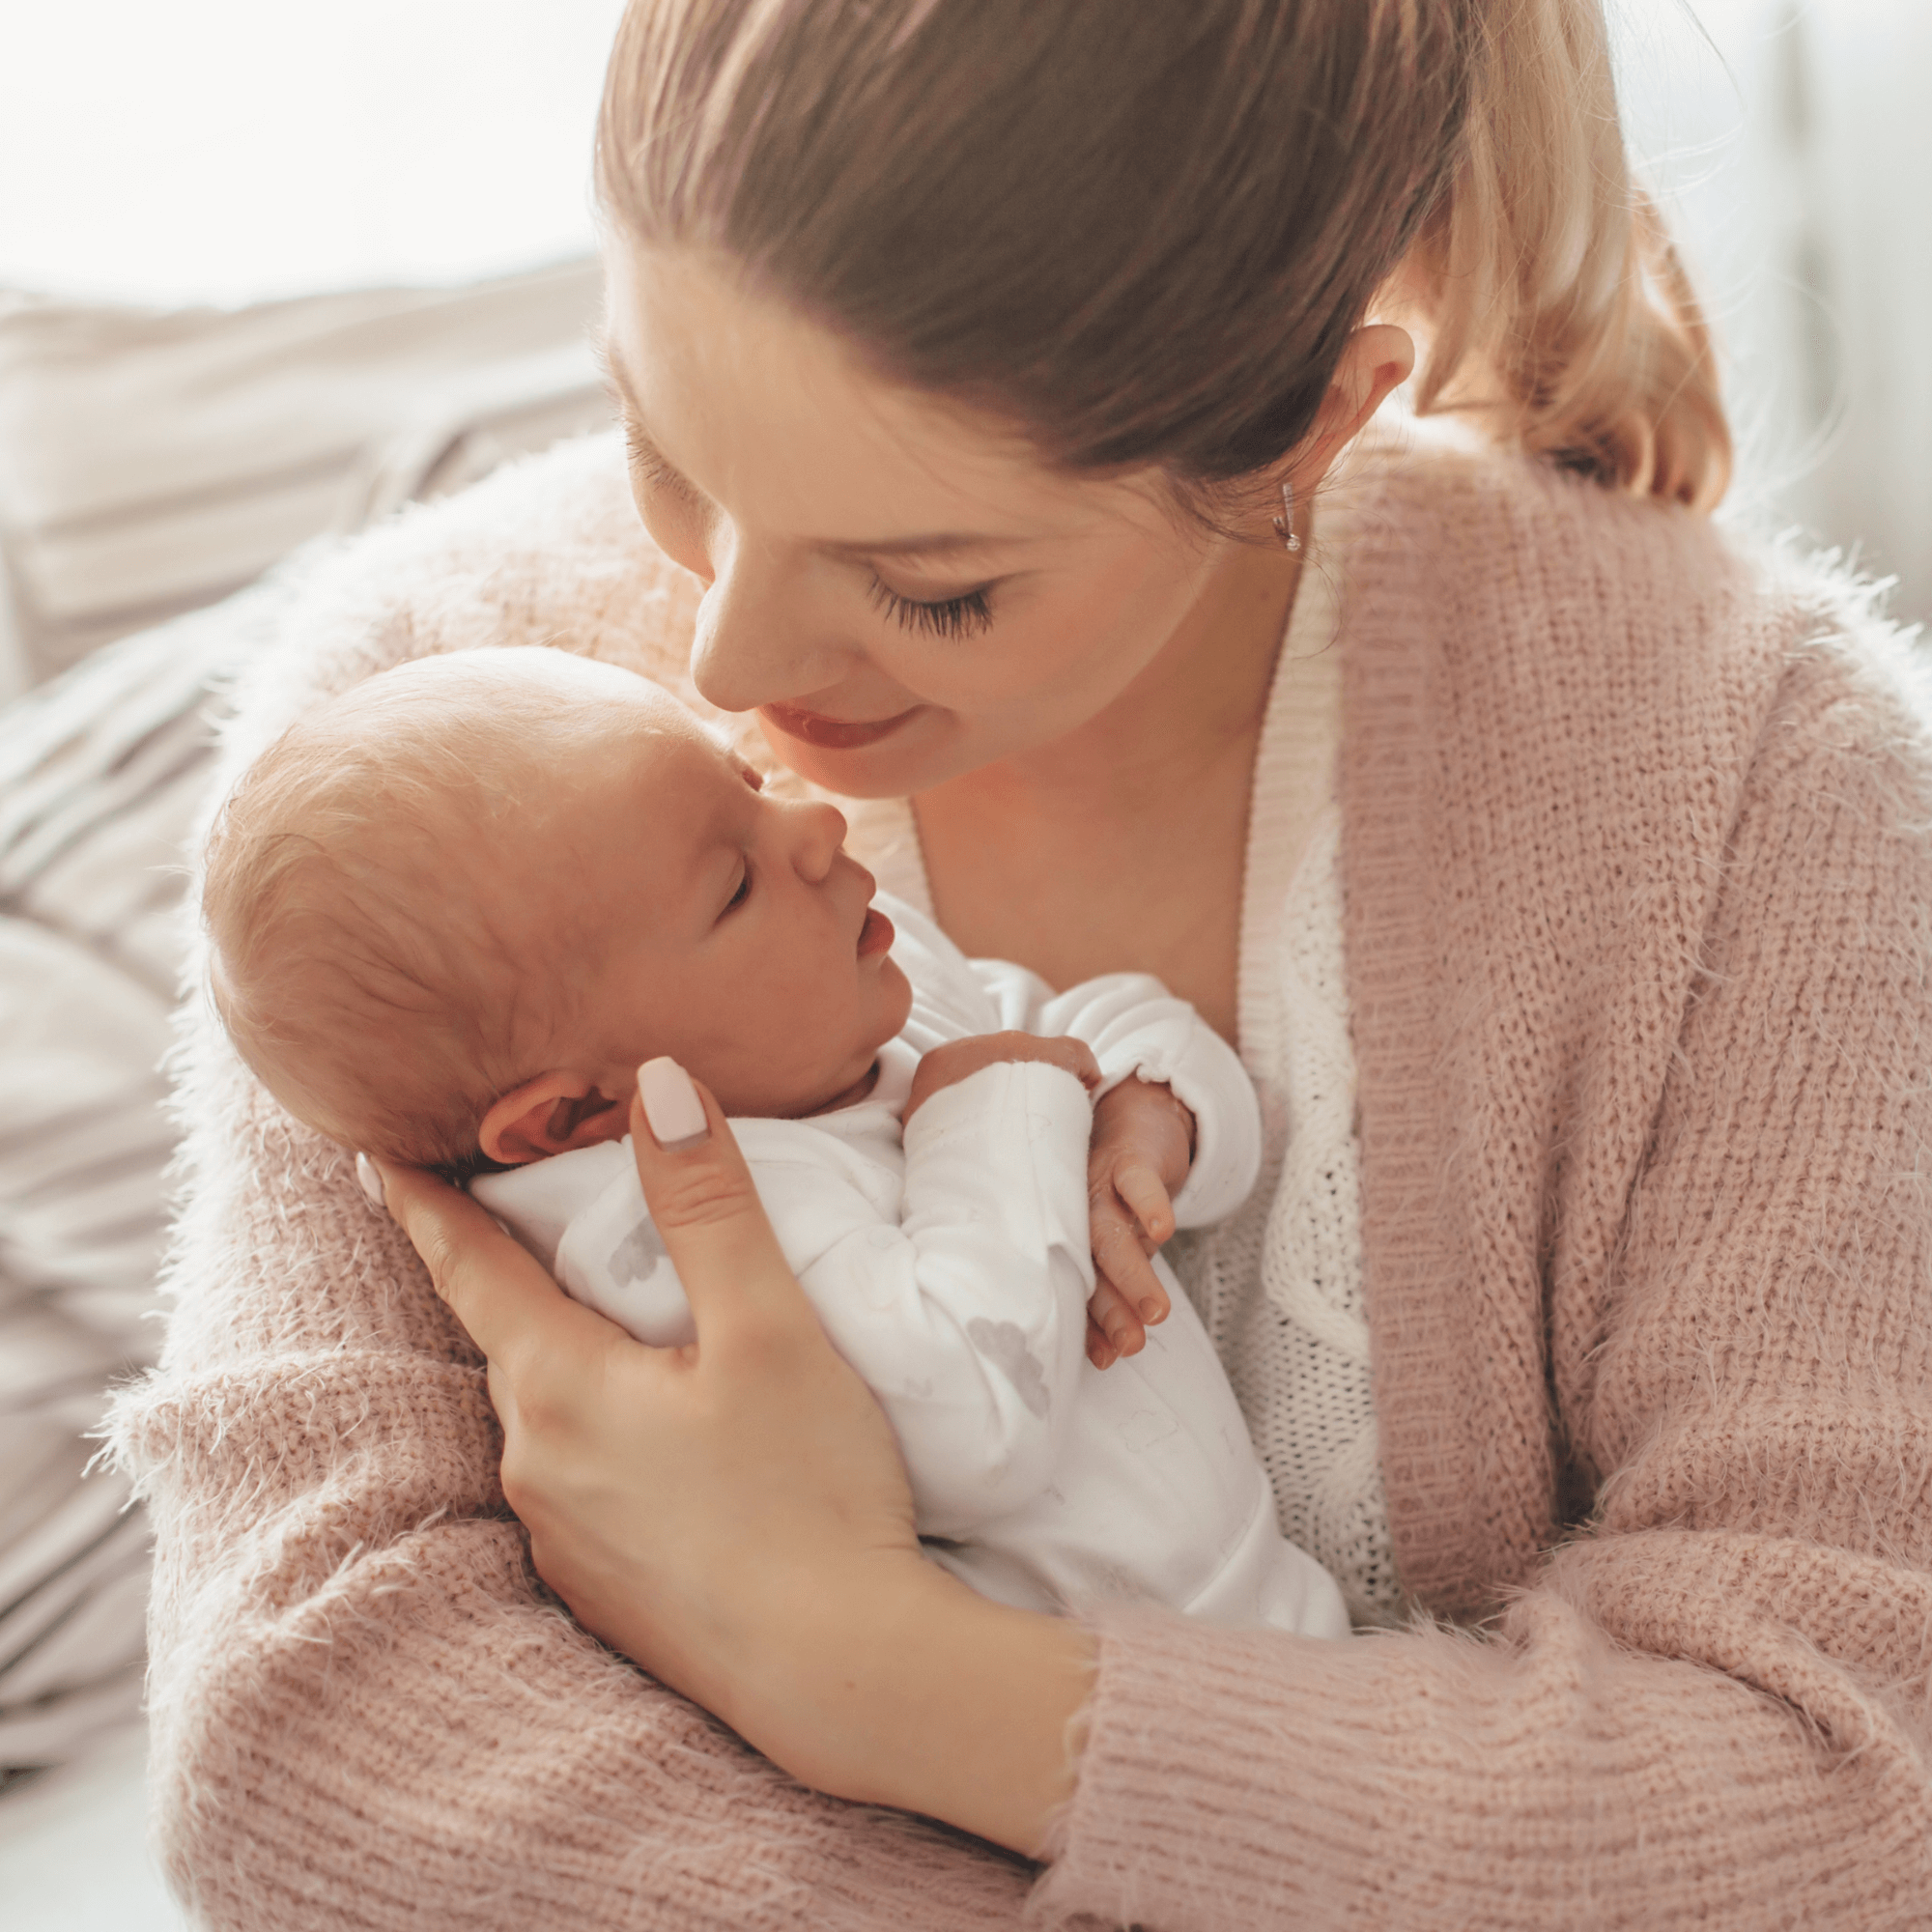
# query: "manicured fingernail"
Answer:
x=1151 y=1311
x=671 y=1106
x=370 y=1183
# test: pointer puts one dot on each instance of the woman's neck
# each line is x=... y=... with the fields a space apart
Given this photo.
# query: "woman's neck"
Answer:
x=1120 y=845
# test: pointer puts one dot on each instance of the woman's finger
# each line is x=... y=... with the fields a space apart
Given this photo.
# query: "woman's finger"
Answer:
x=510 y=1307
x=704 y=1202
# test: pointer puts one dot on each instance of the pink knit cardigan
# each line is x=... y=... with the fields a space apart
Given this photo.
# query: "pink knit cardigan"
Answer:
x=1639 y=874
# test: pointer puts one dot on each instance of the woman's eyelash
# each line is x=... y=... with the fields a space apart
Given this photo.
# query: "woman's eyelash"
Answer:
x=645 y=457
x=962 y=616
x=648 y=461
x=743 y=892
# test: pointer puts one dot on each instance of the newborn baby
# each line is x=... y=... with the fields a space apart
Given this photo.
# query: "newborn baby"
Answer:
x=453 y=912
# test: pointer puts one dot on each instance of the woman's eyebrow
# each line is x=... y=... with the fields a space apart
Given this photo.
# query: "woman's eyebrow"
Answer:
x=945 y=543
x=933 y=544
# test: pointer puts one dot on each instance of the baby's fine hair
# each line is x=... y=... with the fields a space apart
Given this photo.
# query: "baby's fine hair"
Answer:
x=353 y=962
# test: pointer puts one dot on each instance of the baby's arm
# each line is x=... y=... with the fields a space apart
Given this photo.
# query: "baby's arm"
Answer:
x=968 y=1317
x=1186 y=1152
x=958 y=1060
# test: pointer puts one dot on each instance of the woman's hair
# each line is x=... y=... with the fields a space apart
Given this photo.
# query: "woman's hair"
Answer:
x=1146 y=229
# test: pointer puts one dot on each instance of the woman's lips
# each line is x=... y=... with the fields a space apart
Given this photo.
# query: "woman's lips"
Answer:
x=832 y=735
x=877 y=935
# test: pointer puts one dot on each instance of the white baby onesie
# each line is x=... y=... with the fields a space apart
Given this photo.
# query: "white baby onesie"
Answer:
x=950 y=1265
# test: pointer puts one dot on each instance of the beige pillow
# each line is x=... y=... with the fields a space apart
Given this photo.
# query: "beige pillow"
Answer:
x=149 y=464
x=154 y=462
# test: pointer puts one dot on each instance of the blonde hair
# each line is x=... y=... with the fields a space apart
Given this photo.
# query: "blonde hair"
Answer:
x=355 y=962
x=1561 y=313
x=1146 y=232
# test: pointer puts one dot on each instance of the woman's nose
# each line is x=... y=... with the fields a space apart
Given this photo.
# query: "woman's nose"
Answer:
x=750 y=646
x=818 y=832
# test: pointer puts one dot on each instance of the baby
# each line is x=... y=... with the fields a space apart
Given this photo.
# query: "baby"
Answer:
x=454 y=911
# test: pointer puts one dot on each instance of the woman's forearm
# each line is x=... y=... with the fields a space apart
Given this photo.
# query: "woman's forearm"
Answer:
x=913 y=1690
x=734 y=1515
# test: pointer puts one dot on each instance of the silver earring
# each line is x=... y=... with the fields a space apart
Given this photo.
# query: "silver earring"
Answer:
x=1284 y=524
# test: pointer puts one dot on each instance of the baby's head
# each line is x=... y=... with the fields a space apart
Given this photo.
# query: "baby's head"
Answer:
x=453 y=911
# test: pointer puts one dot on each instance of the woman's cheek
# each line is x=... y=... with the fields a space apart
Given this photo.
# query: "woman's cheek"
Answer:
x=1074 y=651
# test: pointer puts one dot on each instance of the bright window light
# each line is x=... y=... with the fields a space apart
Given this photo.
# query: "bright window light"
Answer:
x=230 y=150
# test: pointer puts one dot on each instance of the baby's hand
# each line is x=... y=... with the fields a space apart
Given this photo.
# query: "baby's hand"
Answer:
x=1143 y=1147
x=959 y=1059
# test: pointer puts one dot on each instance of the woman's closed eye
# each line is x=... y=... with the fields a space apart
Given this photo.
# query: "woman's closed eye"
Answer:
x=966 y=615
x=648 y=463
x=740 y=893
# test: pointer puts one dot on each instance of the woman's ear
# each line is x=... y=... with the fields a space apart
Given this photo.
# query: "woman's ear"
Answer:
x=551 y=1113
x=1379 y=357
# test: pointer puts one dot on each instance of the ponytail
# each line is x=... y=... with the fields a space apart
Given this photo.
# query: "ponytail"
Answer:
x=1560 y=311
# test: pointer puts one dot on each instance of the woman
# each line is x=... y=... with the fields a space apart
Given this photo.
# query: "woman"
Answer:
x=986 y=362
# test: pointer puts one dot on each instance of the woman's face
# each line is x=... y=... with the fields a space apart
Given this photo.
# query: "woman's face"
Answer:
x=898 y=588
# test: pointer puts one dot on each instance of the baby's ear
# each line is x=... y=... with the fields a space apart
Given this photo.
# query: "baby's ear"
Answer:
x=548 y=1115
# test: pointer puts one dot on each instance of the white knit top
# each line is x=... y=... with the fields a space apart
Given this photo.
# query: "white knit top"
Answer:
x=1279 y=1286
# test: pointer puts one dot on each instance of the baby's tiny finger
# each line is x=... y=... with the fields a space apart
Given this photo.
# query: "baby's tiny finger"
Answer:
x=1139 y=1187
x=1120 y=1258
x=1113 y=1314
x=1100 y=1351
x=1077 y=1057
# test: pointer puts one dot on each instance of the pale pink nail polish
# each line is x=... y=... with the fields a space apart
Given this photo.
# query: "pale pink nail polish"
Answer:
x=370 y=1183
x=671 y=1106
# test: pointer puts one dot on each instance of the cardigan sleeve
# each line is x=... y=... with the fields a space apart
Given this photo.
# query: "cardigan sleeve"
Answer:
x=1710 y=1704
x=365 y=1709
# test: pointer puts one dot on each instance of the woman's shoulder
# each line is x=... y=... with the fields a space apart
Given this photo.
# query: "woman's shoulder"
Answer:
x=1535 y=599
x=1494 y=528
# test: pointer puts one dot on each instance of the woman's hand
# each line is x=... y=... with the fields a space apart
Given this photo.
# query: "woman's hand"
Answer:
x=734 y=1516
x=1142 y=1149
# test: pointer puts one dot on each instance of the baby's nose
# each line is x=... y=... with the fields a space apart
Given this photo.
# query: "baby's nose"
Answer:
x=821 y=831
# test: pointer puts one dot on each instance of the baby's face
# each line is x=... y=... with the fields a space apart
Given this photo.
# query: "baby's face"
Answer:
x=695 y=915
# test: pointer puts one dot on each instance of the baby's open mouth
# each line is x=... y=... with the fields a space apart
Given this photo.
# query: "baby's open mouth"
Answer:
x=876 y=934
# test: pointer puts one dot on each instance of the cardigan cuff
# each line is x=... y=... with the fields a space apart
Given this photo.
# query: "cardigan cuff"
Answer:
x=1192 y=1759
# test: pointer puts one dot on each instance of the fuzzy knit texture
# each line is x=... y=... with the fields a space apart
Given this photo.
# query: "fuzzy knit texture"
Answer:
x=1636 y=849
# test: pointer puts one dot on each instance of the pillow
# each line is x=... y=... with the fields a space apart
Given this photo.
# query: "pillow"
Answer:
x=152 y=462
x=149 y=464
x=101 y=772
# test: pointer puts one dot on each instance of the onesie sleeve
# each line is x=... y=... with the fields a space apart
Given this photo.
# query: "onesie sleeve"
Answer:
x=1137 y=1027
x=958 y=1291
x=967 y=1318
